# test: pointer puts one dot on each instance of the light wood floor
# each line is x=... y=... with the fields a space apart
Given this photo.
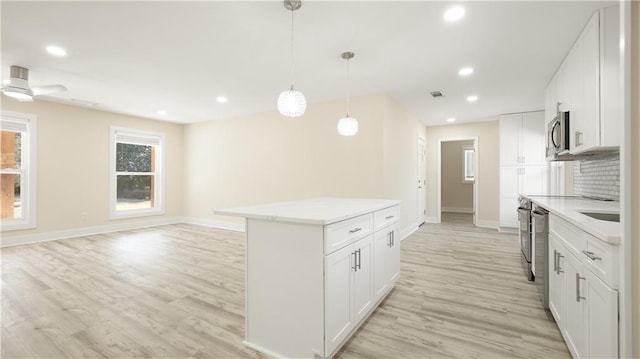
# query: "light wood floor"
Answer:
x=177 y=291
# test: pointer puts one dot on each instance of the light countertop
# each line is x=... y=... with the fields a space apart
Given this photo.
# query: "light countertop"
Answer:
x=569 y=209
x=321 y=211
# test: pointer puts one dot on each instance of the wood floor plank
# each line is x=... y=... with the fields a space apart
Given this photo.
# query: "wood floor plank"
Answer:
x=178 y=291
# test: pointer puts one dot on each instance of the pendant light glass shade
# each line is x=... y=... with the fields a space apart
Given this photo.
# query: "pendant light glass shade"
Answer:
x=292 y=103
x=348 y=126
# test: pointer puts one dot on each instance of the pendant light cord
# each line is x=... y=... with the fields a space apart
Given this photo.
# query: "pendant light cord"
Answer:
x=348 y=86
x=292 y=73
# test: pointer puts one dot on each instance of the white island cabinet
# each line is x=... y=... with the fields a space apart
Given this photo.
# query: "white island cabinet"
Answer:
x=315 y=270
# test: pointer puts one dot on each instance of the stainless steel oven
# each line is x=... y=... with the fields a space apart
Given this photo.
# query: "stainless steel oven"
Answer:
x=524 y=234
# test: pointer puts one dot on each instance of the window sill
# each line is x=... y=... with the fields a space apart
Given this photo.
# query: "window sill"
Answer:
x=16 y=226
x=135 y=214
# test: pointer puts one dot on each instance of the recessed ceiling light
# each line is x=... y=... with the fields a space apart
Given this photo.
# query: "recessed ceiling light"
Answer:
x=465 y=71
x=162 y=112
x=222 y=99
x=451 y=120
x=455 y=13
x=56 y=51
x=472 y=98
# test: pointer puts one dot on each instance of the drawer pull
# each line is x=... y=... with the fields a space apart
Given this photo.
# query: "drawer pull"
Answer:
x=355 y=230
x=592 y=256
x=388 y=217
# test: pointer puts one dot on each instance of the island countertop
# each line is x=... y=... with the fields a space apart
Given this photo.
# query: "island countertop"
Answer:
x=319 y=211
x=569 y=209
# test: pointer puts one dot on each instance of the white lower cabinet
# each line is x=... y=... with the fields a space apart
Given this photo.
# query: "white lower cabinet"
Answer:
x=339 y=296
x=557 y=292
x=583 y=304
x=602 y=318
x=387 y=259
x=574 y=312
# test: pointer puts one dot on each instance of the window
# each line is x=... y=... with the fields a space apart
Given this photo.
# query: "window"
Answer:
x=136 y=173
x=17 y=171
x=469 y=163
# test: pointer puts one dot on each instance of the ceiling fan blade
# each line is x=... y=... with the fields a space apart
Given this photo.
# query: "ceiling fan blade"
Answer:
x=48 y=89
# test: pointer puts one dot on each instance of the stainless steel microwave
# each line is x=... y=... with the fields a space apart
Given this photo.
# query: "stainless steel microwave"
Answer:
x=558 y=135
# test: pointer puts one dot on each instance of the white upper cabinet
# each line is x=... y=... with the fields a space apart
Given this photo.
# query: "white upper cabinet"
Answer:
x=587 y=85
x=522 y=139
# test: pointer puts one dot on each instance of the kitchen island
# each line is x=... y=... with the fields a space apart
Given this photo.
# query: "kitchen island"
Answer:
x=315 y=270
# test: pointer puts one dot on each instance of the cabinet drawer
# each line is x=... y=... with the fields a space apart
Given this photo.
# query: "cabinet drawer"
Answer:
x=600 y=258
x=570 y=235
x=340 y=234
x=385 y=217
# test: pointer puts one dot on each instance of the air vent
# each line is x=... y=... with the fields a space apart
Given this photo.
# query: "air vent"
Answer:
x=435 y=94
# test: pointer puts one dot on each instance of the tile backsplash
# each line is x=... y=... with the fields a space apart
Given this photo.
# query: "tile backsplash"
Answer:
x=597 y=178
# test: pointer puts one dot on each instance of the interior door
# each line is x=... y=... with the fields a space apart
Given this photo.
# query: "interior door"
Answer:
x=422 y=186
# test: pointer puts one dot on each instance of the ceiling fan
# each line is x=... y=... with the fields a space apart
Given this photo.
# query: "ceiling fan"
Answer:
x=18 y=86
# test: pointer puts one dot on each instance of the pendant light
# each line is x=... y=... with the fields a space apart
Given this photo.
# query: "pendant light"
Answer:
x=292 y=103
x=348 y=126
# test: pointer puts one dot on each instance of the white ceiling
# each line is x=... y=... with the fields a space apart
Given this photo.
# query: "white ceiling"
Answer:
x=139 y=57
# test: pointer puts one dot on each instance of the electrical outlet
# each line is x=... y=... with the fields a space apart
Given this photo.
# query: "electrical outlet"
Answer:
x=83 y=216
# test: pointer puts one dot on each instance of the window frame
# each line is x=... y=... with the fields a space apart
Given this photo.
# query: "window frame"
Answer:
x=28 y=172
x=158 y=173
x=465 y=178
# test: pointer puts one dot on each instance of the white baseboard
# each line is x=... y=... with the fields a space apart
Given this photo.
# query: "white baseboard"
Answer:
x=508 y=229
x=409 y=230
x=487 y=224
x=232 y=226
x=85 y=231
x=457 y=210
x=430 y=219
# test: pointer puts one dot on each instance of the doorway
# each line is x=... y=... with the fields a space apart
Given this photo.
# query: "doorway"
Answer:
x=457 y=180
x=422 y=188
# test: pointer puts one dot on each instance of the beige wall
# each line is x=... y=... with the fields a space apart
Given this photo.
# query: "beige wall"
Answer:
x=457 y=195
x=635 y=172
x=73 y=165
x=488 y=161
x=400 y=161
x=266 y=157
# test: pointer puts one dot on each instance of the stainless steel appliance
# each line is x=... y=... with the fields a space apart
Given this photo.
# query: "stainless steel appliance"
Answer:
x=558 y=135
x=540 y=240
x=524 y=217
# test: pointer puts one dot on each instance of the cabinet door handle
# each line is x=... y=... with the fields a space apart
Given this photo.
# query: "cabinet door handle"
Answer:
x=578 y=296
x=393 y=238
x=360 y=258
x=355 y=230
x=559 y=270
x=355 y=261
x=591 y=256
x=555 y=261
x=389 y=239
